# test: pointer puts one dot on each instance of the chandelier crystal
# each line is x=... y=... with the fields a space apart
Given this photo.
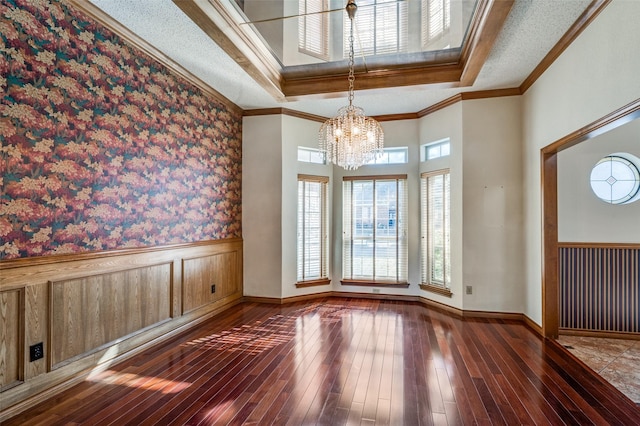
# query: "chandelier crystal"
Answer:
x=351 y=139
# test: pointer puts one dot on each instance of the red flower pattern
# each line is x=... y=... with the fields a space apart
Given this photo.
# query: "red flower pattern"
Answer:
x=102 y=147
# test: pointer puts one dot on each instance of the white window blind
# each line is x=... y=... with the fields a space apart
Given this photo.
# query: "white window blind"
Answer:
x=375 y=246
x=313 y=28
x=380 y=27
x=436 y=19
x=435 y=228
x=313 y=225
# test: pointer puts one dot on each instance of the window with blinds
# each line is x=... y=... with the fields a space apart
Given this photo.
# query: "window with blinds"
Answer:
x=436 y=19
x=375 y=247
x=313 y=28
x=313 y=228
x=435 y=228
x=381 y=26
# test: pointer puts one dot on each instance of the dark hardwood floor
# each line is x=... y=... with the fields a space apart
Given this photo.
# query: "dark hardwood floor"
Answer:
x=343 y=361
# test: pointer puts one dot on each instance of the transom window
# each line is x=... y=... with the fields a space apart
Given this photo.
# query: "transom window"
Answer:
x=375 y=247
x=433 y=150
x=311 y=155
x=398 y=155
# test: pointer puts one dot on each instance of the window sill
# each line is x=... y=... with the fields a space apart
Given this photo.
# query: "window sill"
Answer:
x=313 y=283
x=436 y=289
x=367 y=283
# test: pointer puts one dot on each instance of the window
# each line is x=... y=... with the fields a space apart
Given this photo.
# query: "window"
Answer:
x=380 y=27
x=433 y=150
x=375 y=230
x=615 y=179
x=311 y=155
x=313 y=28
x=435 y=195
x=313 y=226
x=392 y=156
x=436 y=19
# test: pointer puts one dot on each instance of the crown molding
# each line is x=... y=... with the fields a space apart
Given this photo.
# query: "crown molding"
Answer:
x=220 y=23
x=485 y=27
x=131 y=38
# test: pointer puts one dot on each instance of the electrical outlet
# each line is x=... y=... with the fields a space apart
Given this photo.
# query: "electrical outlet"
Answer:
x=469 y=289
x=213 y=288
x=376 y=290
x=36 y=352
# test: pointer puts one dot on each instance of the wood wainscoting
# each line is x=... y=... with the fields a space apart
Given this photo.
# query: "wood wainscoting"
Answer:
x=599 y=287
x=93 y=309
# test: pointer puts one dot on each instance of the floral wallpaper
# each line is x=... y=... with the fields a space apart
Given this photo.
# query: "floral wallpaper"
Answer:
x=102 y=147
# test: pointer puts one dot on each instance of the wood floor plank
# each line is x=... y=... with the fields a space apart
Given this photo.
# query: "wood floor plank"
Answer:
x=336 y=361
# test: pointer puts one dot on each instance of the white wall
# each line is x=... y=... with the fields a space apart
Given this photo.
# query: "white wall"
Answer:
x=261 y=205
x=447 y=123
x=492 y=204
x=582 y=217
x=597 y=74
x=297 y=132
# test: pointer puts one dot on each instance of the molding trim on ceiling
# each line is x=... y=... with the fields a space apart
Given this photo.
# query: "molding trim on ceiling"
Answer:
x=127 y=35
x=485 y=28
x=572 y=33
x=592 y=11
x=250 y=53
x=283 y=111
x=244 y=47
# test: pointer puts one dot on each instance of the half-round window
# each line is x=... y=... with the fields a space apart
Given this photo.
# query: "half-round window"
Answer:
x=616 y=179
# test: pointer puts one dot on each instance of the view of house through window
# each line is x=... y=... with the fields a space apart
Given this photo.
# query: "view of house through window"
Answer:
x=313 y=227
x=435 y=225
x=375 y=229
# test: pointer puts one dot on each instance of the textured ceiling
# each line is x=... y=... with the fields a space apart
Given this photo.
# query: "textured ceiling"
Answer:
x=531 y=30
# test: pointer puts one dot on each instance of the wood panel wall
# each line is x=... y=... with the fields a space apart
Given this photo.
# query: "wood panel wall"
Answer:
x=10 y=338
x=95 y=308
x=89 y=312
x=599 y=287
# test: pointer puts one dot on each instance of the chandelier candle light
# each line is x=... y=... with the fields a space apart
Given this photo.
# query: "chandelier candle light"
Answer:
x=351 y=139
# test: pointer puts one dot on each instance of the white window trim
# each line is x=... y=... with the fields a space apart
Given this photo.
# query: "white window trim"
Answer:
x=302 y=250
x=401 y=267
x=427 y=225
x=425 y=147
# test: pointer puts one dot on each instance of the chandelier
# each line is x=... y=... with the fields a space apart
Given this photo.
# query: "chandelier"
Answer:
x=351 y=139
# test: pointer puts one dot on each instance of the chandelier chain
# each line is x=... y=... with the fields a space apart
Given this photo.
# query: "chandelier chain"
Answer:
x=352 y=76
x=351 y=139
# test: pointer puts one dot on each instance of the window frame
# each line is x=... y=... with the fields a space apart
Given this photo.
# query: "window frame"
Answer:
x=312 y=151
x=304 y=33
x=424 y=149
x=401 y=233
x=301 y=233
x=427 y=232
x=401 y=28
x=377 y=159
x=429 y=21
